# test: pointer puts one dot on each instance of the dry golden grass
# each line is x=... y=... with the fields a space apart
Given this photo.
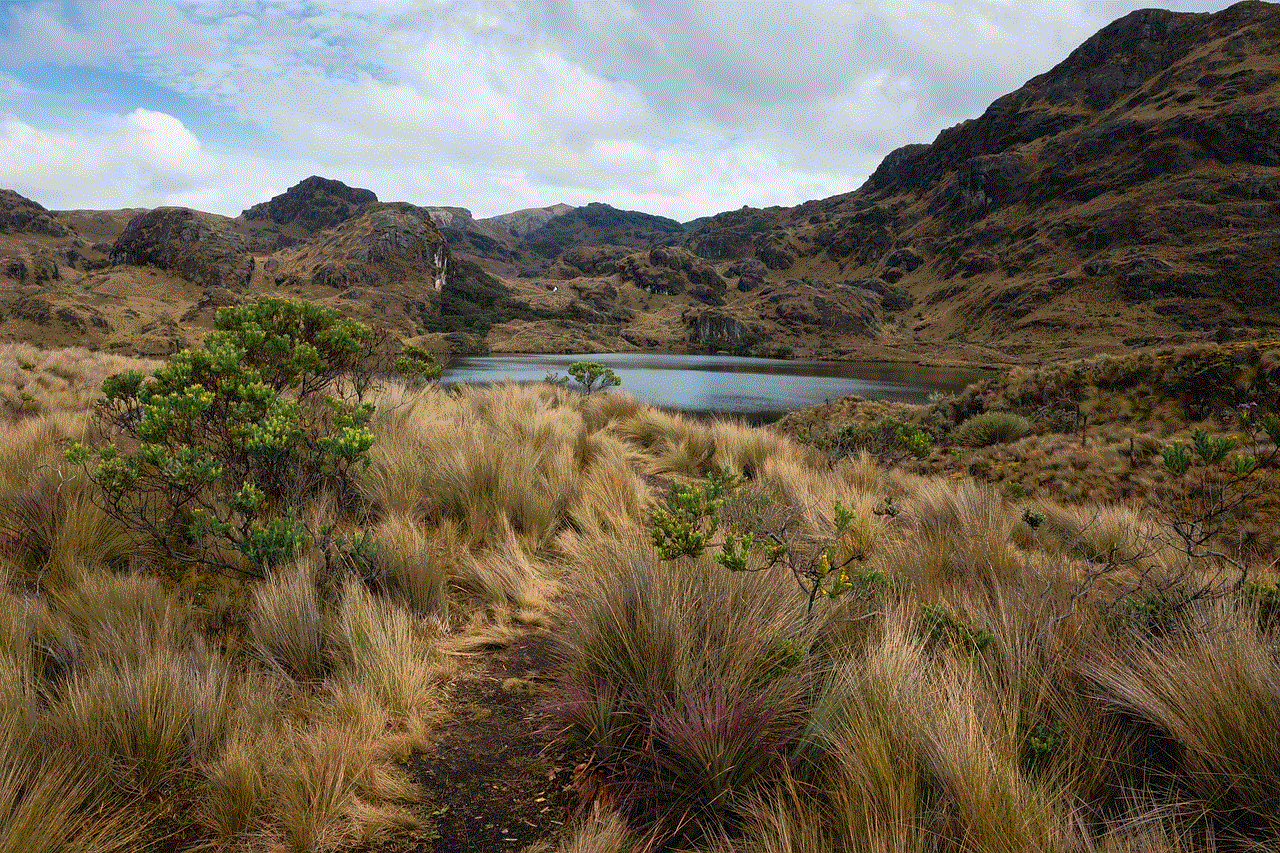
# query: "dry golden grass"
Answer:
x=1053 y=706
x=35 y=381
x=1216 y=693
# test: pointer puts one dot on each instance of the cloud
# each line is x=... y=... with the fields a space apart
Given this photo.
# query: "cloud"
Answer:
x=684 y=108
x=144 y=158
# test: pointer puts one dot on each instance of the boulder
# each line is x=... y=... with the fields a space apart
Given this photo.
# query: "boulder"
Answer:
x=181 y=241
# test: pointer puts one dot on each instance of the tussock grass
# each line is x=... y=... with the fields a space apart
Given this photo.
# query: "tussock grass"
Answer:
x=992 y=428
x=50 y=803
x=409 y=570
x=982 y=688
x=36 y=381
x=1216 y=693
x=481 y=459
x=682 y=680
x=957 y=533
x=316 y=790
x=141 y=723
x=234 y=791
x=382 y=646
x=600 y=833
x=287 y=626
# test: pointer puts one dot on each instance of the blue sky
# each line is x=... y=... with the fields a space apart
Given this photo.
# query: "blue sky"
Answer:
x=682 y=109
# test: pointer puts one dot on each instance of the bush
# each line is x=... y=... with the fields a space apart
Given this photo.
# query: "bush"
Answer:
x=593 y=376
x=897 y=299
x=888 y=438
x=227 y=441
x=992 y=428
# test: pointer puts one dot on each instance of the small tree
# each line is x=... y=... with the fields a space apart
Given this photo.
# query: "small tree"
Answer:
x=224 y=443
x=593 y=376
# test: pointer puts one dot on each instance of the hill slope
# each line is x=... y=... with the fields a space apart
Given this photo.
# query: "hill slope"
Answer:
x=1129 y=196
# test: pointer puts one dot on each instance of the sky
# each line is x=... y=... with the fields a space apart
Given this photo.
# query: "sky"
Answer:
x=678 y=108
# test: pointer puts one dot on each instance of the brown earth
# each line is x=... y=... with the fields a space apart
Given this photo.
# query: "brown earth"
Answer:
x=495 y=780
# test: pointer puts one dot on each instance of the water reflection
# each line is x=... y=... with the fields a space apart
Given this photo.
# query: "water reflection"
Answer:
x=759 y=389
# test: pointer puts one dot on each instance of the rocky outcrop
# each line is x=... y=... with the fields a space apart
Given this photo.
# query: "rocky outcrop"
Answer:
x=313 y=204
x=822 y=305
x=21 y=215
x=181 y=241
x=601 y=225
x=588 y=260
x=750 y=273
x=41 y=266
x=671 y=272
x=387 y=243
x=715 y=328
x=735 y=234
x=521 y=222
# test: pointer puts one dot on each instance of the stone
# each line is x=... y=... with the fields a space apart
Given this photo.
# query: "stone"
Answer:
x=179 y=240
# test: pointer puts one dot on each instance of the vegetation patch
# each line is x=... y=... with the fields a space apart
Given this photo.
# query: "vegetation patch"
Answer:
x=992 y=428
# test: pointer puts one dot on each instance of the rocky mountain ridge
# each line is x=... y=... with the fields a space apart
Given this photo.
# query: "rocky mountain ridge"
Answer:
x=1128 y=196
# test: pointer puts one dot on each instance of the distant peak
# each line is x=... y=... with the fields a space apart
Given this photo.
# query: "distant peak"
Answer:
x=314 y=203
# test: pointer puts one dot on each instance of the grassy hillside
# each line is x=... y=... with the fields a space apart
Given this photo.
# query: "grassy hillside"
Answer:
x=898 y=662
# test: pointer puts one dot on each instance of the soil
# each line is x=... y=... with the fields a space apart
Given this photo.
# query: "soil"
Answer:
x=495 y=781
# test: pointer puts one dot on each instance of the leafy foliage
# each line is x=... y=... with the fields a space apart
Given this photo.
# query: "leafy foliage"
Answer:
x=593 y=376
x=897 y=299
x=223 y=442
x=942 y=627
x=686 y=525
x=888 y=438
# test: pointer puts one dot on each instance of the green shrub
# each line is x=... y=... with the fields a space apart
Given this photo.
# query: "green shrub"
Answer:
x=224 y=443
x=943 y=627
x=897 y=299
x=992 y=428
x=593 y=376
x=888 y=438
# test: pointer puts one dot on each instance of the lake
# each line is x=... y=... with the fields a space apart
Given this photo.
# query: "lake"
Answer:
x=757 y=389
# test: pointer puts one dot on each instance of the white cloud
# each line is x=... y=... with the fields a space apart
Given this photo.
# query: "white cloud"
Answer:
x=680 y=108
x=145 y=158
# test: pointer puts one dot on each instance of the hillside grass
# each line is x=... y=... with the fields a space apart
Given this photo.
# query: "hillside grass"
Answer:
x=993 y=679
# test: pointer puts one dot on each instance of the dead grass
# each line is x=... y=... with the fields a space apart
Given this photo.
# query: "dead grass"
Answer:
x=712 y=708
x=35 y=381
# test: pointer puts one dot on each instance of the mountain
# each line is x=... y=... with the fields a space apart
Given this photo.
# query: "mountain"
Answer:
x=313 y=204
x=1127 y=197
x=598 y=224
x=520 y=222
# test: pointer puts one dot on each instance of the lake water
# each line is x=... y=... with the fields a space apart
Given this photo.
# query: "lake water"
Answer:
x=758 y=389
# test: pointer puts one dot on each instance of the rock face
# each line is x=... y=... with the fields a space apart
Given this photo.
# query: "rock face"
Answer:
x=1138 y=179
x=385 y=244
x=672 y=271
x=600 y=225
x=314 y=204
x=715 y=328
x=21 y=215
x=183 y=242
x=521 y=222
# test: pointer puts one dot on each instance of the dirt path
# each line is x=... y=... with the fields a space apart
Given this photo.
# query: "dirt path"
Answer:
x=492 y=783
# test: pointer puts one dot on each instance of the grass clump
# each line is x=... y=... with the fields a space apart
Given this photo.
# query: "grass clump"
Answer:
x=992 y=428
